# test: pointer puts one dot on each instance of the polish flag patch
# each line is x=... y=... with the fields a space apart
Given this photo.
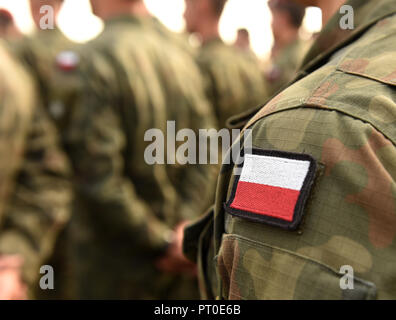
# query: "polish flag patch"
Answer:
x=273 y=188
x=67 y=60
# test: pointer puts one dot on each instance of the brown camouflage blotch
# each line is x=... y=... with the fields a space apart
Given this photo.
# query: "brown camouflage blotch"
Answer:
x=269 y=108
x=378 y=192
x=356 y=65
x=228 y=262
x=391 y=77
x=323 y=93
x=382 y=23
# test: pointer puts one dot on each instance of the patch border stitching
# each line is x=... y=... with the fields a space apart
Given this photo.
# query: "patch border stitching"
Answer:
x=302 y=199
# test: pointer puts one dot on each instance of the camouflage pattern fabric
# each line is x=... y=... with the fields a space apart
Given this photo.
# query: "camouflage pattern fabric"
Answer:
x=35 y=193
x=125 y=208
x=284 y=67
x=341 y=111
x=38 y=52
x=234 y=81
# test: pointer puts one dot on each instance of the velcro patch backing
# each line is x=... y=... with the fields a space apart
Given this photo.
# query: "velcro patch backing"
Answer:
x=273 y=188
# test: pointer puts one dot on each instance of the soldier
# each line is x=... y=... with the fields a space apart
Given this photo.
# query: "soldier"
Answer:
x=234 y=82
x=38 y=53
x=311 y=211
x=132 y=79
x=34 y=190
x=289 y=48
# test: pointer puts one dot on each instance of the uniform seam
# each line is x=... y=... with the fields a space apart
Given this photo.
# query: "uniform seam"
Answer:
x=323 y=107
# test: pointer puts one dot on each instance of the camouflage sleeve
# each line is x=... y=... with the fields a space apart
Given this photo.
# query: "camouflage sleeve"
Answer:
x=234 y=83
x=349 y=219
x=95 y=142
x=198 y=181
x=39 y=205
x=212 y=92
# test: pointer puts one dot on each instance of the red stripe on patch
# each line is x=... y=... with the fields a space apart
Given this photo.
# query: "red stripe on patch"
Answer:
x=266 y=200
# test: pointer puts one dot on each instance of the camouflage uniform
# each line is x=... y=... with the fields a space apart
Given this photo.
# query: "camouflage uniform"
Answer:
x=34 y=191
x=234 y=82
x=284 y=67
x=341 y=112
x=130 y=79
x=38 y=52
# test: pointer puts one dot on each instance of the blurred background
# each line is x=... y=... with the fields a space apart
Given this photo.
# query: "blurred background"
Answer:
x=256 y=18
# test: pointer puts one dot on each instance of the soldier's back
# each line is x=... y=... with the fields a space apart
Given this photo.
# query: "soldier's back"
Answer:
x=234 y=81
x=134 y=80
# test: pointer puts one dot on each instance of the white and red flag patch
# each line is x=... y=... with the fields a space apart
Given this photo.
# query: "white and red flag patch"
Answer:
x=67 y=60
x=273 y=187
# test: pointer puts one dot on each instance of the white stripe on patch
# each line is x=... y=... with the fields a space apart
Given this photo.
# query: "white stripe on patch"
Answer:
x=275 y=171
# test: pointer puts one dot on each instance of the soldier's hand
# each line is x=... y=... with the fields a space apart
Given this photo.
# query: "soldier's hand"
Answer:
x=174 y=261
x=11 y=284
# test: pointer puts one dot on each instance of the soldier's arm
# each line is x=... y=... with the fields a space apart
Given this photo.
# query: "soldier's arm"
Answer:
x=348 y=219
x=38 y=207
x=198 y=183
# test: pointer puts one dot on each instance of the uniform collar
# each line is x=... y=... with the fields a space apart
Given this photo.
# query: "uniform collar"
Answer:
x=212 y=42
x=332 y=38
x=128 y=18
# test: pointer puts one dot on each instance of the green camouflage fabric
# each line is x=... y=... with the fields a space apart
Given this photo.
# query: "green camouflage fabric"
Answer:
x=341 y=110
x=35 y=193
x=132 y=78
x=234 y=81
x=284 y=66
x=38 y=52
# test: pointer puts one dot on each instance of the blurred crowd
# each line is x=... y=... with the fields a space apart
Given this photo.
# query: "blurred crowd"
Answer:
x=75 y=191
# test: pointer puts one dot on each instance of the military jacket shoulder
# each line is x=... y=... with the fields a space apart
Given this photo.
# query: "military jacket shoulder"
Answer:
x=358 y=81
x=342 y=118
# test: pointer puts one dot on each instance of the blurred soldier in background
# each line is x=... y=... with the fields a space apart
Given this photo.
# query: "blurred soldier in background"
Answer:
x=325 y=207
x=134 y=77
x=38 y=52
x=288 y=49
x=234 y=81
x=34 y=190
x=8 y=28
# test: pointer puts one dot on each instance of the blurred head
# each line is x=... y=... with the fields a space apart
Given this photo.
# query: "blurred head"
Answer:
x=328 y=7
x=99 y=7
x=6 y=18
x=35 y=6
x=243 y=39
x=198 y=12
x=286 y=15
x=308 y=3
x=6 y=22
x=108 y=8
